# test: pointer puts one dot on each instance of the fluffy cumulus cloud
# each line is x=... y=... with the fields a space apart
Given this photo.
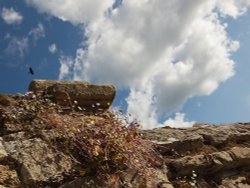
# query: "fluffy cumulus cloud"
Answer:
x=66 y=67
x=233 y=8
x=52 y=48
x=77 y=11
x=178 y=122
x=163 y=52
x=10 y=16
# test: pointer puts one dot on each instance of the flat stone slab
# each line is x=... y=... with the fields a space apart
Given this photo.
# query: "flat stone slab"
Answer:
x=193 y=143
x=212 y=163
x=77 y=94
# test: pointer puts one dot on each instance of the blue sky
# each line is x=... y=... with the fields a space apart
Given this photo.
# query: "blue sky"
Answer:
x=163 y=57
x=231 y=101
x=14 y=77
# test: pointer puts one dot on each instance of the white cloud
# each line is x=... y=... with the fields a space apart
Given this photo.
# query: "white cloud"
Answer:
x=66 y=67
x=77 y=11
x=233 y=8
x=10 y=16
x=20 y=46
x=17 y=46
x=164 y=52
x=141 y=106
x=37 y=32
x=180 y=51
x=178 y=122
x=52 y=48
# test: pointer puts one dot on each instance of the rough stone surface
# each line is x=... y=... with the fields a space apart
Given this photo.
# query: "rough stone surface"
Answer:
x=3 y=153
x=6 y=99
x=235 y=181
x=216 y=136
x=82 y=95
x=193 y=143
x=130 y=178
x=88 y=182
x=156 y=178
x=212 y=163
x=37 y=163
x=8 y=177
x=10 y=128
x=205 y=155
x=42 y=85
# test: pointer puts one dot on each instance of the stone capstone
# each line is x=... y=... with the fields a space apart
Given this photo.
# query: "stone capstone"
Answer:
x=81 y=95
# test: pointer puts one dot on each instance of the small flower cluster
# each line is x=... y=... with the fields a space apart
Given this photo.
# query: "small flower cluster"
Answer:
x=106 y=144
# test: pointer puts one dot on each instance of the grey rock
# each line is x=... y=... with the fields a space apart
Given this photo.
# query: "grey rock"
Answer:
x=38 y=163
x=212 y=163
x=217 y=136
x=38 y=86
x=193 y=143
x=158 y=178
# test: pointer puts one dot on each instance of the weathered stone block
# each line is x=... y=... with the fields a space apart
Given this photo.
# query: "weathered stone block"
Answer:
x=193 y=143
x=212 y=163
x=38 y=163
x=81 y=95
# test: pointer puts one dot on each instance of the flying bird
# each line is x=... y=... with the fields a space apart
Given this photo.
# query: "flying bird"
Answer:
x=31 y=71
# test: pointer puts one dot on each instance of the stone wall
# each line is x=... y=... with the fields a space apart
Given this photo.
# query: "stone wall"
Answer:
x=205 y=155
x=202 y=156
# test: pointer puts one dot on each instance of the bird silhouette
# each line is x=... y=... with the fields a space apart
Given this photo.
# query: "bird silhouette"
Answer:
x=31 y=71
